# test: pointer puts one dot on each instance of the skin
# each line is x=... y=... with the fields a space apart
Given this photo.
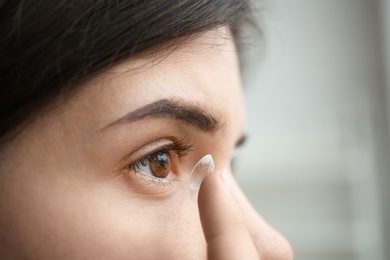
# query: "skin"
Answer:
x=66 y=191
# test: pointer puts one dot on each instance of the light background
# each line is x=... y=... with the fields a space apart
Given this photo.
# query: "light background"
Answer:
x=316 y=164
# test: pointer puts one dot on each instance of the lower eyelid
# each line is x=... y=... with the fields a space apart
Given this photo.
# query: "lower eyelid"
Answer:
x=149 y=186
x=155 y=180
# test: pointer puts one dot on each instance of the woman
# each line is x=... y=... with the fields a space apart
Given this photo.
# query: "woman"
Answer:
x=106 y=106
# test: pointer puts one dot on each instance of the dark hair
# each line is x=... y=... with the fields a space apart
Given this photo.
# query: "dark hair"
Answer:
x=47 y=47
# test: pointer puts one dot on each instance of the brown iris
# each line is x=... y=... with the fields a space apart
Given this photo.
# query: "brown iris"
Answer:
x=160 y=164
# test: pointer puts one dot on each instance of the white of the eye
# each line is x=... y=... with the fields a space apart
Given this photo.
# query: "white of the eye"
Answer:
x=145 y=169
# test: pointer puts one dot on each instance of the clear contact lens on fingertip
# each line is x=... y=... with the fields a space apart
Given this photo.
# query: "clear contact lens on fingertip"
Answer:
x=203 y=167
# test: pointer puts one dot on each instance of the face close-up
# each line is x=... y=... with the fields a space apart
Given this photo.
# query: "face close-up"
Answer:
x=104 y=173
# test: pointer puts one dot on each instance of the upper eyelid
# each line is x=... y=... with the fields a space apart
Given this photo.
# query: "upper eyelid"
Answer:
x=180 y=147
x=145 y=150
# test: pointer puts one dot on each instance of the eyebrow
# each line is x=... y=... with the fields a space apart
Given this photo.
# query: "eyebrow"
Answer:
x=177 y=110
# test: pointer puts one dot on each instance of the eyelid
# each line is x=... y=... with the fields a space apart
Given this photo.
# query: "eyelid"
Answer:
x=148 y=149
x=176 y=148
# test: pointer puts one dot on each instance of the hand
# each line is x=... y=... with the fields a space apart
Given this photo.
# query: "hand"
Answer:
x=232 y=228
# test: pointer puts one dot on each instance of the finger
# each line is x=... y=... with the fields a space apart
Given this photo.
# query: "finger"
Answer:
x=269 y=243
x=223 y=224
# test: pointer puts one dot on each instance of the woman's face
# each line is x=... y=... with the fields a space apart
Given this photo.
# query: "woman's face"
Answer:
x=104 y=175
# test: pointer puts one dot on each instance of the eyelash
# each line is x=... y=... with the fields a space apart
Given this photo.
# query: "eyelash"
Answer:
x=180 y=149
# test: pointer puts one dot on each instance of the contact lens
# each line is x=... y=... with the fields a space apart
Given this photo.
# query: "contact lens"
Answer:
x=203 y=167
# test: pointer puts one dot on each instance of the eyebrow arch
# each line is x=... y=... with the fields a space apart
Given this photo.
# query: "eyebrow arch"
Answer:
x=176 y=110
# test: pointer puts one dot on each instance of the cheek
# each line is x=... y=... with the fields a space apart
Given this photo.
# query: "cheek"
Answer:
x=100 y=222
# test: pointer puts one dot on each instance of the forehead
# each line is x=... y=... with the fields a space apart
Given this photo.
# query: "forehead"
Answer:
x=203 y=71
x=202 y=49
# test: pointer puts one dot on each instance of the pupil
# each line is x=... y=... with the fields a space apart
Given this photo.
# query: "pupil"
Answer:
x=162 y=159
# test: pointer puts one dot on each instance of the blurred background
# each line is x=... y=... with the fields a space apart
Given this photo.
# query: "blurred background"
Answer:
x=316 y=164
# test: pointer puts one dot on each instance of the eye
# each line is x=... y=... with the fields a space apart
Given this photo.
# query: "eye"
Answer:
x=155 y=165
x=158 y=163
x=237 y=151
